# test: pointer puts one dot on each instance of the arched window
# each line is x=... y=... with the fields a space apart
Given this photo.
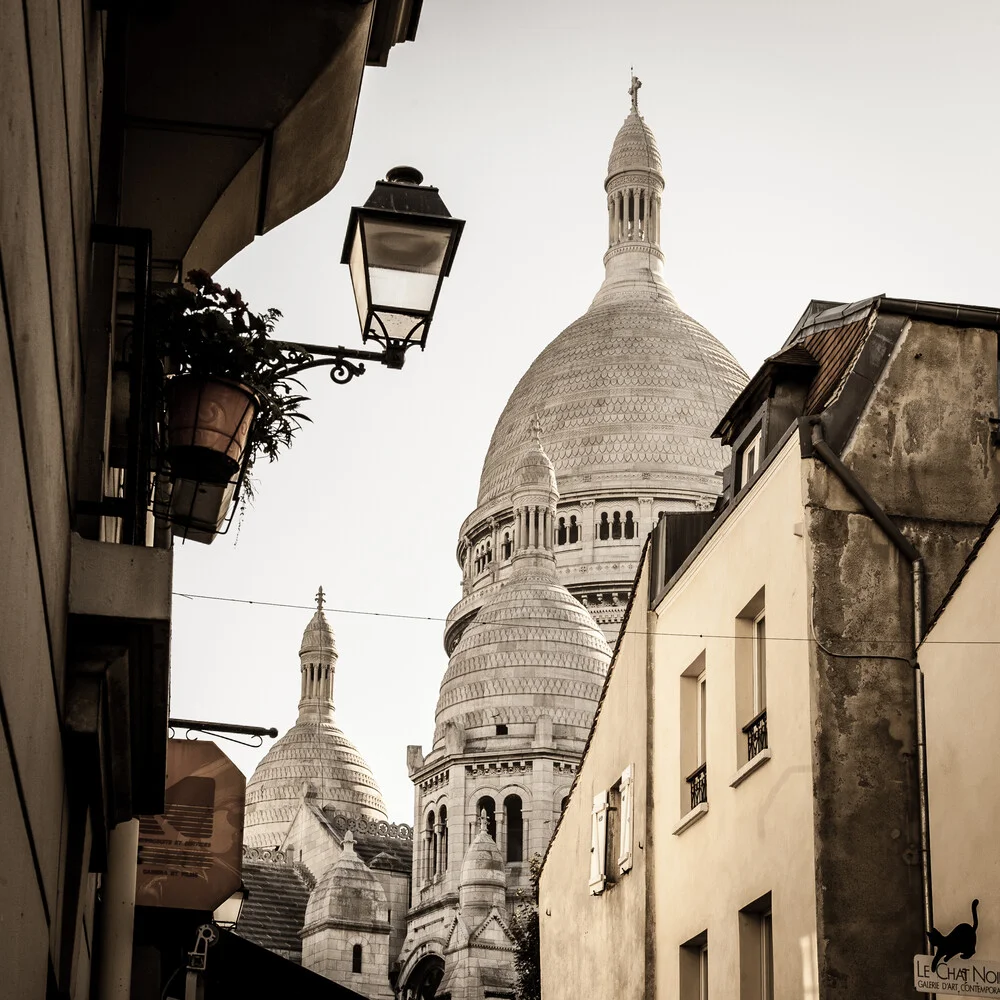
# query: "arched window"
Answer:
x=603 y=529
x=491 y=816
x=507 y=546
x=629 y=525
x=443 y=839
x=565 y=802
x=430 y=842
x=356 y=958
x=561 y=532
x=489 y=552
x=616 y=525
x=574 y=530
x=515 y=827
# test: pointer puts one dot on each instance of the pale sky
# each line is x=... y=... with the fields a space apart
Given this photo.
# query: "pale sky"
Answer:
x=811 y=150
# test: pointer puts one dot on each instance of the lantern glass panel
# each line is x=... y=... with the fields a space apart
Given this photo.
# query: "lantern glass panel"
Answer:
x=358 y=278
x=404 y=263
x=228 y=911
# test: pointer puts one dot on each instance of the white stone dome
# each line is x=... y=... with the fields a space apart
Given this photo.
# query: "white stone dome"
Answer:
x=634 y=148
x=532 y=651
x=314 y=759
x=628 y=394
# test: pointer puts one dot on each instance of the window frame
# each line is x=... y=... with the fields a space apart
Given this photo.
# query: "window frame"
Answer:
x=759 y=661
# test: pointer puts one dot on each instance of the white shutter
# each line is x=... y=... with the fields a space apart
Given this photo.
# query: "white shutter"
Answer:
x=598 y=843
x=625 y=821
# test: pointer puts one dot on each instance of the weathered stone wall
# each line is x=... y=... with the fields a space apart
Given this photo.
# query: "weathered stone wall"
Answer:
x=330 y=954
x=922 y=450
x=51 y=59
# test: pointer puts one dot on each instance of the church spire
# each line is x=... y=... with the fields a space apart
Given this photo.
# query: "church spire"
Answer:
x=317 y=660
x=634 y=187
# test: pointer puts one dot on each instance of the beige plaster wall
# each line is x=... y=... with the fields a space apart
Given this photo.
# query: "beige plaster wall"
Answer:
x=962 y=689
x=51 y=58
x=595 y=945
x=757 y=837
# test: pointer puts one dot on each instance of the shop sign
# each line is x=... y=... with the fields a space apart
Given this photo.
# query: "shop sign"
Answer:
x=973 y=977
x=190 y=856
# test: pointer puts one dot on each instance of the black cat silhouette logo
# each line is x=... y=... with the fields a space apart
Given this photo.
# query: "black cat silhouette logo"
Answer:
x=961 y=941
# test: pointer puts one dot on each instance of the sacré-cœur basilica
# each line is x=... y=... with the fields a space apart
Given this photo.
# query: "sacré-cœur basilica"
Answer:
x=608 y=428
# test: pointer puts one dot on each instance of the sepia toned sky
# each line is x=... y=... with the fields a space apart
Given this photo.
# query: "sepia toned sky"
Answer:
x=811 y=150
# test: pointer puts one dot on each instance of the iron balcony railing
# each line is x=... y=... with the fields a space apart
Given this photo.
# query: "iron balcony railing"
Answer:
x=698 y=780
x=756 y=733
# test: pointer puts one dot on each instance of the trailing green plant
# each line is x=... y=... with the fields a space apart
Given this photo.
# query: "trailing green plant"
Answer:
x=524 y=925
x=204 y=329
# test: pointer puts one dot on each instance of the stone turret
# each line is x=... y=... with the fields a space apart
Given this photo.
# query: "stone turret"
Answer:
x=346 y=931
x=483 y=883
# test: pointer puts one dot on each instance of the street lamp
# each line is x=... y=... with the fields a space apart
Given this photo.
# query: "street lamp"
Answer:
x=399 y=247
x=227 y=913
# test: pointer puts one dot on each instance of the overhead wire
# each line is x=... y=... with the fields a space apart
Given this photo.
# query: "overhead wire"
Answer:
x=515 y=622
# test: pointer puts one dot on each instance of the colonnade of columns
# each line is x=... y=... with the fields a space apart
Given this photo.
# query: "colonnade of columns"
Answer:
x=534 y=528
x=633 y=214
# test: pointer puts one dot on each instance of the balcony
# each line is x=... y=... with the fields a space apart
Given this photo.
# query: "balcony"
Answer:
x=756 y=734
x=698 y=780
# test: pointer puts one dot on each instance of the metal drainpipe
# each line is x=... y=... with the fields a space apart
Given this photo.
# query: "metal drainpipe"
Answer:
x=909 y=552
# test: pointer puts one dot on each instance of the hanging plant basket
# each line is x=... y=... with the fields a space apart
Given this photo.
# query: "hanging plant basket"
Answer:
x=209 y=421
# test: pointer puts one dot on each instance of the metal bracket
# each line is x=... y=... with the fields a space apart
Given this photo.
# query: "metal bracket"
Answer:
x=206 y=936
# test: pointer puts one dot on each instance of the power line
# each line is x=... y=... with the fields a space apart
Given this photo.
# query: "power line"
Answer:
x=514 y=622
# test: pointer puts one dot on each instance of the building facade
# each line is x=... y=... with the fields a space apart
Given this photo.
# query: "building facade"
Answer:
x=132 y=151
x=769 y=809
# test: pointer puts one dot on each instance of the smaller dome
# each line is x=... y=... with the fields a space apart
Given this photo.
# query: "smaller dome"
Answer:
x=535 y=470
x=348 y=892
x=634 y=148
x=483 y=883
x=318 y=639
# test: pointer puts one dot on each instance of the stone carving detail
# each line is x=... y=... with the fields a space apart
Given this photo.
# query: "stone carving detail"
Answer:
x=271 y=856
x=435 y=781
x=499 y=767
x=370 y=827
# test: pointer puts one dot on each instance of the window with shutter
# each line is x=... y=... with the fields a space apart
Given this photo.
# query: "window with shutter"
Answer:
x=598 y=843
x=625 y=821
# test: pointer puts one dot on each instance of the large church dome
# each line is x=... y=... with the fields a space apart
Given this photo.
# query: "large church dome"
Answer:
x=628 y=396
x=314 y=759
x=628 y=392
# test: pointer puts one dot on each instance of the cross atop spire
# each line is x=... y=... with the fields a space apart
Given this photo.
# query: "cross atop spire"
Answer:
x=319 y=599
x=633 y=90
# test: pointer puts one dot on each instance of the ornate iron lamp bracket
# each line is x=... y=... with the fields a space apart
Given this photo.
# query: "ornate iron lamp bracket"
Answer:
x=340 y=360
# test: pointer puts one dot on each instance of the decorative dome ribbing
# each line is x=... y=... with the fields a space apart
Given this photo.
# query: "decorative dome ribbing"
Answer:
x=629 y=393
x=533 y=649
x=314 y=758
